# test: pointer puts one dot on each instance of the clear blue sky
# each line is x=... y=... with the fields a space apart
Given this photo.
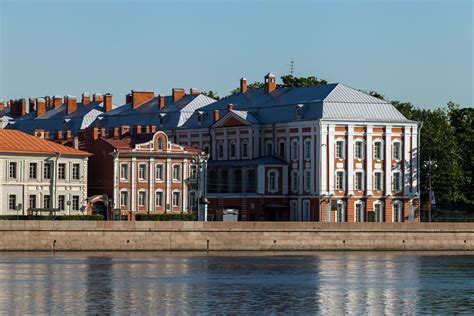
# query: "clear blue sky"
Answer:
x=418 y=51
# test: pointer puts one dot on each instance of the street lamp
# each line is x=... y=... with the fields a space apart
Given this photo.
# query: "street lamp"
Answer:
x=429 y=164
x=201 y=162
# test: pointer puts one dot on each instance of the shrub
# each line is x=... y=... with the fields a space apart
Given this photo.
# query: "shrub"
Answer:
x=53 y=218
x=165 y=217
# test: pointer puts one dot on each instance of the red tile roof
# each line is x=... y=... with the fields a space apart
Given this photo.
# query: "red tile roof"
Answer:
x=12 y=141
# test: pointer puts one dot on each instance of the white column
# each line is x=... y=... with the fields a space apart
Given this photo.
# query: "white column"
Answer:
x=414 y=160
x=116 y=180
x=369 y=155
x=213 y=145
x=261 y=178
x=350 y=159
x=238 y=144
x=151 y=194
x=301 y=160
x=388 y=160
x=406 y=161
x=323 y=163
x=133 y=194
x=226 y=145
x=331 y=159
x=168 y=185
x=184 y=180
x=314 y=160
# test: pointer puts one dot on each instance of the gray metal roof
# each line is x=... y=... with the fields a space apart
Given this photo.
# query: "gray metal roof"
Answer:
x=248 y=162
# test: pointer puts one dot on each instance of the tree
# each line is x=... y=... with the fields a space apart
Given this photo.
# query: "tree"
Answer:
x=211 y=94
x=291 y=81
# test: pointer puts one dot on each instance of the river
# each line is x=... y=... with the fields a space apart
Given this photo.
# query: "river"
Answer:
x=241 y=282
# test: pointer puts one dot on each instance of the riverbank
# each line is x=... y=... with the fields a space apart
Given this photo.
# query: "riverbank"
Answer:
x=238 y=236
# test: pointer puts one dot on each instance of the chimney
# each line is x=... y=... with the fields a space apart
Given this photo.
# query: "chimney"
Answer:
x=124 y=129
x=75 y=142
x=194 y=91
x=178 y=94
x=140 y=97
x=47 y=100
x=98 y=97
x=107 y=102
x=71 y=104
x=40 y=107
x=114 y=132
x=58 y=135
x=57 y=101
x=162 y=101
x=68 y=134
x=2 y=105
x=152 y=128
x=31 y=102
x=46 y=135
x=243 y=85
x=19 y=107
x=103 y=132
x=128 y=98
x=270 y=82
x=86 y=98
x=92 y=133
x=216 y=115
x=230 y=107
x=137 y=129
x=38 y=133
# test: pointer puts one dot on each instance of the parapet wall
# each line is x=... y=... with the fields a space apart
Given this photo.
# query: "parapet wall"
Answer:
x=225 y=236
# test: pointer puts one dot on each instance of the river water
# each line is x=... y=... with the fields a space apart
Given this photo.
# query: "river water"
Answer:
x=219 y=283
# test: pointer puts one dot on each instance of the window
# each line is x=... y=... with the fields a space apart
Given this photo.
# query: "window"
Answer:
x=75 y=202
x=76 y=171
x=159 y=199
x=224 y=181
x=192 y=199
x=176 y=199
x=220 y=150
x=124 y=198
x=294 y=211
x=47 y=170
x=294 y=181
x=46 y=201
x=378 y=150
x=378 y=210
x=159 y=172
x=193 y=172
x=142 y=172
x=396 y=182
x=159 y=143
x=237 y=185
x=206 y=149
x=269 y=149
x=61 y=202
x=359 y=150
x=294 y=150
x=33 y=170
x=12 y=173
x=281 y=150
x=378 y=181
x=306 y=210
x=397 y=151
x=124 y=172
x=307 y=149
x=232 y=149
x=32 y=201
x=340 y=149
x=141 y=198
x=307 y=180
x=340 y=215
x=245 y=149
x=340 y=183
x=359 y=181
x=396 y=212
x=251 y=181
x=199 y=118
x=358 y=212
x=176 y=172
x=12 y=202
x=62 y=171
x=162 y=120
x=272 y=181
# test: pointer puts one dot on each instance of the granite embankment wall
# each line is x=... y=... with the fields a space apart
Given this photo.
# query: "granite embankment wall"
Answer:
x=213 y=236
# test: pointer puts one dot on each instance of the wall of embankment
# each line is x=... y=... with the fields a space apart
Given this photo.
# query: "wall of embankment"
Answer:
x=225 y=236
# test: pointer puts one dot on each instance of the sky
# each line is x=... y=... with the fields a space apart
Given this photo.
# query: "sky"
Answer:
x=416 y=51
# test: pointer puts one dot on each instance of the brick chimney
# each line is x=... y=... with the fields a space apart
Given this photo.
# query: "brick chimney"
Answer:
x=68 y=134
x=270 y=82
x=194 y=91
x=124 y=129
x=57 y=101
x=140 y=97
x=46 y=135
x=92 y=133
x=243 y=85
x=230 y=107
x=58 y=135
x=114 y=132
x=98 y=97
x=47 y=100
x=152 y=128
x=107 y=102
x=86 y=98
x=40 y=107
x=31 y=103
x=103 y=132
x=128 y=98
x=161 y=101
x=216 y=115
x=178 y=94
x=75 y=142
x=19 y=107
x=137 y=129
x=71 y=104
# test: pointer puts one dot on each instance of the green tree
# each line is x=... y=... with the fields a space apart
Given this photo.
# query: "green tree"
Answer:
x=211 y=94
x=288 y=81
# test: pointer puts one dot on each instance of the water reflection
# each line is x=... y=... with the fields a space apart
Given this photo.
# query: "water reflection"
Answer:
x=177 y=283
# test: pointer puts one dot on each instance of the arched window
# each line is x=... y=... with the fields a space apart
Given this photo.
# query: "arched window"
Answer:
x=340 y=149
x=306 y=210
x=307 y=149
x=358 y=212
x=340 y=215
x=269 y=149
x=294 y=210
x=307 y=180
x=251 y=181
x=232 y=149
x=224 y=181
x=159 y=143
x=378 y=181
x=378 y=211
x=245 y=149
x=397 y=212
x=237 y=181
x=193 y=172
x=294 y=181
x=281 y=150
x=294 y=150
x=220 y=150
x=359 y=149
x=272 y=181
x=397 y=150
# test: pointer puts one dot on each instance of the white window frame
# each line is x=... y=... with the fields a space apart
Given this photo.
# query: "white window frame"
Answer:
x=356 y=183
x=341 y=187
x=161 y=177
x=273 y=188
x=397 y=154
x=139 y=195
x=362 y=211
x=359 y=155
x=76 y=203
x=294 y=149
x=307 y=149
x=35 y=198
x=173 y=204
x=295 y=181
x=161 y=193
x=144 y=178
x=381 y=215
x=244 y=153
x=397 y=218
x=76 y=175
x=12 y=197
x=13 y=170
x=380 y=157
x=342 y=154
x=61 y=202
x=35 y=175
x=193 y=173
x=178 y=178
x=127 y=178
x=340 y=213
x=47 y=170
x=220 y=150
x=397 y=187
x=380 y=189
x=232 y=144
x=127 y=198
x=62 y=174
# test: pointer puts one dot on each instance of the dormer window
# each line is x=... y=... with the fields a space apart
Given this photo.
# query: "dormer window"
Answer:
x=199 y=117
x=298 y=111
x=162 y=119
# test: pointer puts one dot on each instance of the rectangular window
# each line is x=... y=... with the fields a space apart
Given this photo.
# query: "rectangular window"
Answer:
x=33 y=170
x=12 y=202
x=176 y=172
x=47 y=170
x=396 y=213
x=340 y=185
x=159 y=199
x=397 y=151
x=192 y=199
x=62 y=171
x=282 y=150
x=220 y=150
x=359 y=184
x=307 y=150
x=378 y=212
x=377 y=150
x=176 y=199
x=340 y=149
x=32 y=201
x=306 y=211
x=47 y=201
x=159 y=172
x=75 y=202
x=358 y=212
x=124 y=172
x=378 y=181
x=61 y=202
x=124 y=198
x=396 y=184
x=269 y=149
x=193 y=172
x=142 y=172
x=76 y=171
x=294 y=181
x=12 y=173
x=294 y=150
x=307 y=180
x=272 y=181
x=359 y=150
x=141 y=198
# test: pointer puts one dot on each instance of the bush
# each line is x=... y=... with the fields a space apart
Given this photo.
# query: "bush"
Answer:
x=53 y=218
x=165 y=217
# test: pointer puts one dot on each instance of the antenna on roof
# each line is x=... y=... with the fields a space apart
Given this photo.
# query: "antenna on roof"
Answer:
x=292 y=65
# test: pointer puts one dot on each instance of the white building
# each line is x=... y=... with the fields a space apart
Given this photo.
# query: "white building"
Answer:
x=37 y=173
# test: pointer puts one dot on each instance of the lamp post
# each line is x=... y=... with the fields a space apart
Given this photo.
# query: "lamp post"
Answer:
x=201 y=163
x=430 y=164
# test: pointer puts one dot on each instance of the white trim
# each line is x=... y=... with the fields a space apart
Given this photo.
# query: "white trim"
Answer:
x=276 y=180
x=400 y=214
x=362 y=214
